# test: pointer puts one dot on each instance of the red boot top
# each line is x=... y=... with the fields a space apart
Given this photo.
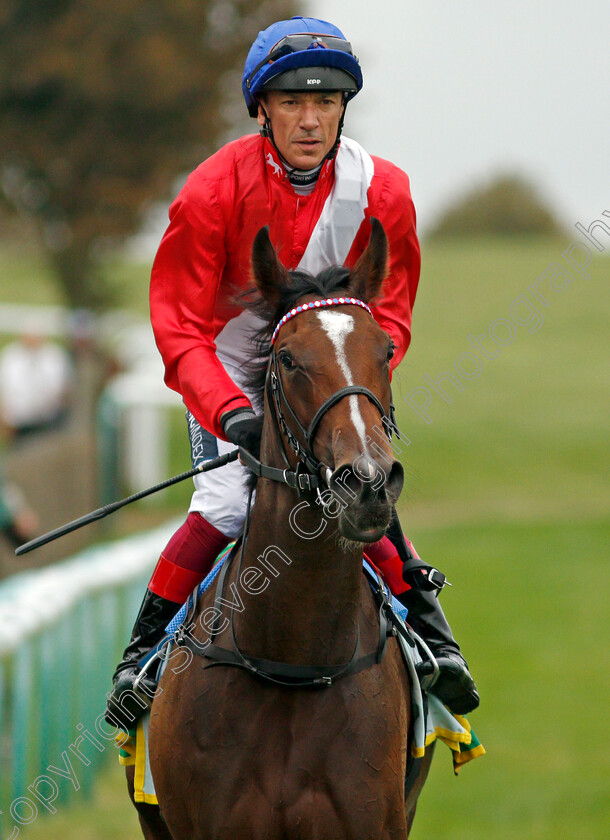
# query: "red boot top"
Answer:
x=187 y=559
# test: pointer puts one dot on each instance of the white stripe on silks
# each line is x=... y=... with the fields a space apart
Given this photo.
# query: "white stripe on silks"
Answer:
x=329 y=244
x=234 y=344
x=343 y=211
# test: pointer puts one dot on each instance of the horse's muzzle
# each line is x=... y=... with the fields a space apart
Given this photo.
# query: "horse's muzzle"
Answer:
x=366 y=491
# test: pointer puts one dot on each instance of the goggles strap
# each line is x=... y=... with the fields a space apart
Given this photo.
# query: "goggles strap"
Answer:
x=335 y=147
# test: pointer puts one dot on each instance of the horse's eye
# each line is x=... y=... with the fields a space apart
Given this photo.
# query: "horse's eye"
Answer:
x=390 y=352
x=286 y=360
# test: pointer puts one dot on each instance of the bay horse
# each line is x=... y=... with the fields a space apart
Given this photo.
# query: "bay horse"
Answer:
x=287 y=726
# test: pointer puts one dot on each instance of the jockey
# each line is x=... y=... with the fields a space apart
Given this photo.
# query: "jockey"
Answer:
x=298 y=78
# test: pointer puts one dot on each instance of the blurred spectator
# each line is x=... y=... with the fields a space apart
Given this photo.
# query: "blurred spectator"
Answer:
x=18 y=523
x=35 y=383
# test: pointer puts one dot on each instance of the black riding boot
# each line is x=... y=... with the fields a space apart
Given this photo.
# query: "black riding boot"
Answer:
x=126 y=706
x=454 y=685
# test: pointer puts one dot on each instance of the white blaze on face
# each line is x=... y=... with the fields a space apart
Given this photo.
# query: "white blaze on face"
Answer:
x=338 y=326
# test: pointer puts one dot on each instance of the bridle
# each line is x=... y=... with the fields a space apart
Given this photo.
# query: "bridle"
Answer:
x=308 y=476
x=310 y=473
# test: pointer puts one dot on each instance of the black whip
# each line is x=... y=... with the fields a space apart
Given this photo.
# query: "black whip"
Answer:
x=100 y=513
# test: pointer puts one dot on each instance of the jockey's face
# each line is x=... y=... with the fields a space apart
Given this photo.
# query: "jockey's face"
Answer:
x=304 y=124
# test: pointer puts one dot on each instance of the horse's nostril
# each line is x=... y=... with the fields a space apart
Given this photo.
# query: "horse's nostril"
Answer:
x=345 y=484
x=395 y=481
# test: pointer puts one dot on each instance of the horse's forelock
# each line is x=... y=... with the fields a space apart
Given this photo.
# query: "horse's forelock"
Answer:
x=323 y=285
x=302 y=284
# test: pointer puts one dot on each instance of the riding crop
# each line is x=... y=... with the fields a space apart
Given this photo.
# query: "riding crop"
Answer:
x=100 y=513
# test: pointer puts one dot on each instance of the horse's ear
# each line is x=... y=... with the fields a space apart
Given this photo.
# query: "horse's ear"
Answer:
x=270 y=276
x=370 y=271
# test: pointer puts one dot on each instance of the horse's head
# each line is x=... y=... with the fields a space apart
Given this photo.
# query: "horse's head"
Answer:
x=328 y=383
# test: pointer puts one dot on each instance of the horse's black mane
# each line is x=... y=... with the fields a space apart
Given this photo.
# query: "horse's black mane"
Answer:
x=323 y=285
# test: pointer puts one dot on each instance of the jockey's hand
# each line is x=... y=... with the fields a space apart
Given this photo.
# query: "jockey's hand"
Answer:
x=243 y=428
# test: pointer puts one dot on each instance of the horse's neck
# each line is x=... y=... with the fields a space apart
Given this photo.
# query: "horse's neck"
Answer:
x=309 y=601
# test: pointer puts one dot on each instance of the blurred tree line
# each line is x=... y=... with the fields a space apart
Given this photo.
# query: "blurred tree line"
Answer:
x=103 y=105
x=508 y=204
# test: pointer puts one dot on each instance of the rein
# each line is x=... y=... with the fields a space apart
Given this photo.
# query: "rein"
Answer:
x=310 y=474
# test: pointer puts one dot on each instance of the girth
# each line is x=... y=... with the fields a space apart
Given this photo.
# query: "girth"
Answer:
x=283 y=673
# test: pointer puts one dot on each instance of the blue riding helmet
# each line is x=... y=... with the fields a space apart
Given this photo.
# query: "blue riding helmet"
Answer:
x=283 y=55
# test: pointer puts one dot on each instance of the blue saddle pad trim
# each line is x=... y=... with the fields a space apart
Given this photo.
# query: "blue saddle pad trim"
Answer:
x=397 y=608
x=205 y=584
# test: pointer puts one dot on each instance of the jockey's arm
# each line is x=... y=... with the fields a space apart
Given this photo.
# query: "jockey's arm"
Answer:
x=185 y=284
x=393 y=310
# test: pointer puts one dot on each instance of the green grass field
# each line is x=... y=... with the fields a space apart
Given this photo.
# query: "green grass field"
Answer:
x=506 y=493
